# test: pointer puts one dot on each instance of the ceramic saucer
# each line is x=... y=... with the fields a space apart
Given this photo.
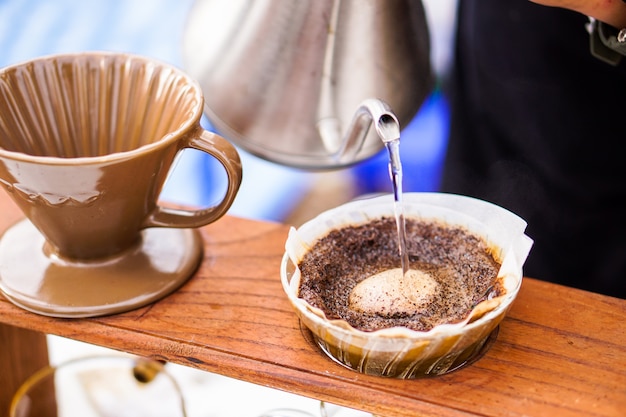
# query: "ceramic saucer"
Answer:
x=46 y=284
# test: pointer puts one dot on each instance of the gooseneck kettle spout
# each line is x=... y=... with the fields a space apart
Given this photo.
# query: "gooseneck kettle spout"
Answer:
x=371 y=112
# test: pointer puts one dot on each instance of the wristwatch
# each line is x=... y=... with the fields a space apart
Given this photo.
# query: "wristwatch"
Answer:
x=606 y=42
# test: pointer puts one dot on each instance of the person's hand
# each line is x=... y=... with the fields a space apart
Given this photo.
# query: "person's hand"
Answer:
x=612 y=12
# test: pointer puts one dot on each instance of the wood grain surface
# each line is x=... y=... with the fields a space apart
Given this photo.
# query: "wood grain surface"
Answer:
x=559 y=352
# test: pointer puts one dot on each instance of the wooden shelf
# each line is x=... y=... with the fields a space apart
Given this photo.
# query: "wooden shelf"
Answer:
x=560 y=351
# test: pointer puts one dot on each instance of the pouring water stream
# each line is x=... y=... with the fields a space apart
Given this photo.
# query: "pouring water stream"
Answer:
x=388 y=129
x=395 y=174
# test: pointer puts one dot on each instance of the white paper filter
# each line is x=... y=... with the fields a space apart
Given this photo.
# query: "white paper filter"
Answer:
x=501 y=229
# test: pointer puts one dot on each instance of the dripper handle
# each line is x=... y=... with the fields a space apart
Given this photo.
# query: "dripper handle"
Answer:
x=222 y=150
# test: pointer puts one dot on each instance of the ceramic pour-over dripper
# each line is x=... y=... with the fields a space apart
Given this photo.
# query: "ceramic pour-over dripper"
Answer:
x=86 y=143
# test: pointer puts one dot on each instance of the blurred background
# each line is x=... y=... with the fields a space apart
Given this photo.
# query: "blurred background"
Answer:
x=155 y=28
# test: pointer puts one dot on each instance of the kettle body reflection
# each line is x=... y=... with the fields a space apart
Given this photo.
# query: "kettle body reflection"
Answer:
x=287 y=80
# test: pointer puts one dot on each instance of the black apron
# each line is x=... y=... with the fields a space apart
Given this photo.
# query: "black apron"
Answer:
x=538 y=127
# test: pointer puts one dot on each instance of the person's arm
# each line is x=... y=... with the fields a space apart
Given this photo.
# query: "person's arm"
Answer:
x=612 y=12
x=607 y=25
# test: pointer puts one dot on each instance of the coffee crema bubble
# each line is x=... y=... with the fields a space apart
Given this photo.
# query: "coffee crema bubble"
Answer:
x=353 y=274
x=390 y=293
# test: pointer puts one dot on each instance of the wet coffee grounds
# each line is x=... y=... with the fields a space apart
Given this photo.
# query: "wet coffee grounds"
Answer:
x=458 y=260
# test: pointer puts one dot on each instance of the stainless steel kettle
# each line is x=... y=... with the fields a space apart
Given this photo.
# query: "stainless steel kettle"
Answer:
x=299 y=82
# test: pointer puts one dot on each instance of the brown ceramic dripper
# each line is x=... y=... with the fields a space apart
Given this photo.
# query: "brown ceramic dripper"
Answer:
x=86 y=143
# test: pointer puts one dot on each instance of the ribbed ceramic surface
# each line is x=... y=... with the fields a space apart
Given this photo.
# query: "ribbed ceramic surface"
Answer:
x=91 y=104
x=400 y=352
